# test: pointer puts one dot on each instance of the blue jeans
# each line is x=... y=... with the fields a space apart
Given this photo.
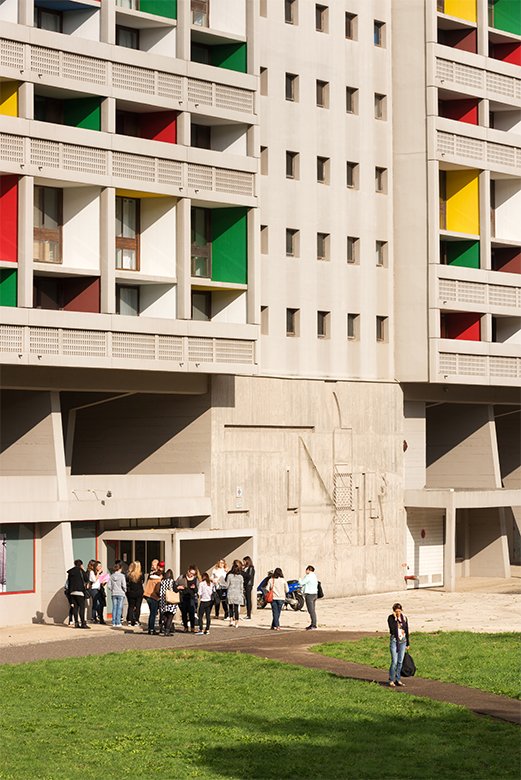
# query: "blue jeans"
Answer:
x=397 y=655
x=117 y=609
x=276 y=609
x=153 y=606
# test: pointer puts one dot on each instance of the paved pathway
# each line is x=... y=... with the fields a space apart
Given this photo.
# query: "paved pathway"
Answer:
x=289 y=646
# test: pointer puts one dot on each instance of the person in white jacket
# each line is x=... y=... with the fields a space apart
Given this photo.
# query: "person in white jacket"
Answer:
x=309 y=585
x=279 y=586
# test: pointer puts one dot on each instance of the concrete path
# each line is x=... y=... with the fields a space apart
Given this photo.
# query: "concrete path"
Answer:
x=291 y=646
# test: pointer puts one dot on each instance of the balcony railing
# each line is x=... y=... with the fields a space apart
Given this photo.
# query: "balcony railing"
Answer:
x=487 y=154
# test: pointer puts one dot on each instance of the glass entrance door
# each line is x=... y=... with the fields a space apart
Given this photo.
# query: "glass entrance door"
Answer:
x=142 y=550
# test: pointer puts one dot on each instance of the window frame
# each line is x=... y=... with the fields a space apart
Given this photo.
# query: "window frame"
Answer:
x=379 y=31
x=323 y=242
x=292 y=321
x=291 y=87
x=292 y=16
x=207 y=296
x=203 y=6
x=322 y=93
x=39 y=12
x=352 y=100
x=352 y=169
x=353 y=257
x=292 y=237
x=353 y=326
x=134 y=31
x=380 y=107
x=323 y=324
x=42 y=234
x=380 y=180
x=203 y=251
x=135 y=288
x=351 y=26
x=322 y=170
x=321 y=18
x=292 y=165
x=124 y=242
x=33 y=567
x=382 y=329
x=381 y=253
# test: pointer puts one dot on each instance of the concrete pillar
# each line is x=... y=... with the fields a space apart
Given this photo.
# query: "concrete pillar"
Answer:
x=108 y=115
x=108 y=249
x=183 y=259
x=59 y=454
x=184 y=128
x=253 y=294
x=108 y=22
x=484 y=219
x=56 y=558
x=26 y=100
x=26 y=12
x=184 y=21
x=449 y=558
x=25 y=241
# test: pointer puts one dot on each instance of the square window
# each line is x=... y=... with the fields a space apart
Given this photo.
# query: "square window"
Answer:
x=292 y=165
x=292 y=87
x=351 y=26
x=264 y=239
x=264 y=81
x=323 y=170
x=353 y=250
x=264 y=320
x=264 y=160
x=127 y=37
x=380 y=106
x=381 y=329
x=323 y=318
x=127 y=300
x=321 y=18
x=201 y=242
x=292 y=242
x=352 y=175
x=322 y=94
x=380 y=179
x=381 y=254
x=290 y=11
x=353 y=327
x=47 y=19
x=47 y=227
x=351 y=100
x=292 y=322
x=322 y=246
x=200 y=11
x=379 y=34
x=201 y=305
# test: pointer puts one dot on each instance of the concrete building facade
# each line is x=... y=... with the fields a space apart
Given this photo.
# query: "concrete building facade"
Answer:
x=221 y=332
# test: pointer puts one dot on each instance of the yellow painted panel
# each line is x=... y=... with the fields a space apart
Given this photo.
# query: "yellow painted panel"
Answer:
x=9 y=98
x=463 y=201
x=462 y=9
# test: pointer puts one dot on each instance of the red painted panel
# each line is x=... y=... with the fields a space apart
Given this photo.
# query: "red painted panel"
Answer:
x=159 y=126
x=461 y=325
x=9 y=218
x=461 y=110
x=507 y=260
x=506 y=52
x=81 y=295
x=465 y=40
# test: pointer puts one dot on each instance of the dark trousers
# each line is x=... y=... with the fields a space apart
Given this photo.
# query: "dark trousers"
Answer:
x=247 y=596
x=234 y=611
x=153 y=606
x=97 y=606
x=188 y=612
x=276 y=609
x=134 y=609
x=78 y=609
x=205 y=610
x=168 y=619
x=311 y=599
x=218 y=601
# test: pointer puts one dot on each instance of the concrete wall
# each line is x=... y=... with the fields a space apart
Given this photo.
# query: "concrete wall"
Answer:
x=204 y=553
x=508 y=208
x=460 y=447
x=508 y=425
x=144 y=434
x=158 y=236
x=158 y=300
x=277 y=445
x=81 y=228
x=414 y=431
x=9 y=11
x=26 y=442
x=487 y=556
x=228 y=16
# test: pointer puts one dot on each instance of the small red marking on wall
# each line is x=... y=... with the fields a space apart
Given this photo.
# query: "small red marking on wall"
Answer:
x=423 y=534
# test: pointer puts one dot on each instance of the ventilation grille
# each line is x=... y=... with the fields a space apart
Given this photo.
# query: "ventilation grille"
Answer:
x=506 y=367
x=11 y=54
x=503 y=85
x=133 y=166
x=200 y=177
x=86 y=343
x=44 y=341
x=482 y=366
x=12 y=148
x=499 y=153
x=132 y=78
x=76 y=66
x=11 y=338
x=169 y=86
x=200 y=92
x=233 y=98
x=467 y=75
x=45 y=153
x=170 y=348
x=455 y=290
x=200 y=350
x=233 y=351
x=233 y=181
x=134 y=346
x=472 y=148
x=500 y=295
x=45 y=61
x=170 y=172
x=84 y=159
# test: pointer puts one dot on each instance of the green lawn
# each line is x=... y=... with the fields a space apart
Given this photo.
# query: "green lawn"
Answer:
x=188 y=714
x=491 y=662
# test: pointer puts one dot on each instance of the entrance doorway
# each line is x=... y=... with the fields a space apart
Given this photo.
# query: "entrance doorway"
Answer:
x=142 y=550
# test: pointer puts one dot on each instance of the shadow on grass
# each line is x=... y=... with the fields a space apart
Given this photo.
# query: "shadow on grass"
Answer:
x=427 y=743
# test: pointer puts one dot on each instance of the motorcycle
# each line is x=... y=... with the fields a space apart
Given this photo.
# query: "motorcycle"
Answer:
x=294 y=596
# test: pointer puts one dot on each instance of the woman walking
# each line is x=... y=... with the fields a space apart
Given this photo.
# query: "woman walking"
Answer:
x=187 y=587
x=205 y=593
x=218 y=578
x=278 y=585
x=151 y=593
x=95 y=571
x=168 y=610
x=248 y=572
x=134 y=592
x=399 y=630
x=118 y=589
x=235 y=592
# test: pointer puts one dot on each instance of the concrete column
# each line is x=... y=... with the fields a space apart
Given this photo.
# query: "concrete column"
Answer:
x=25 y=241
x=26 y=100
x=26 y=12
x=482 y=15
x=253 y=294
x=484 y=220
x=184 y=128
x=184 y=21
x=56 y=558
x=183 y=259
x=252 y=14
x=59 y=454
x=449 y=558
x=108 y=22
x=108 y=115
x=108 y=249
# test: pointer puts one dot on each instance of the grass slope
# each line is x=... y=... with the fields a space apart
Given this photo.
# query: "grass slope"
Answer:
x=491 y=662
x=182 y=715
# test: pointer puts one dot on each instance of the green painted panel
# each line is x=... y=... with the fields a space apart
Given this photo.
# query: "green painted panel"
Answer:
x=507 y=15
x=166 y=8
x=229 y=55
x=17 y=557
x=463 y=253
x=8 y=287
x=229 y=245
x=84 y=541
x=83 y=112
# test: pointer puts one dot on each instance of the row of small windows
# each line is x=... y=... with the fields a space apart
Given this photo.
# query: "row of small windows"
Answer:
x=323 y=244
x=291 y=16
x=323 y=325
x=291 y=93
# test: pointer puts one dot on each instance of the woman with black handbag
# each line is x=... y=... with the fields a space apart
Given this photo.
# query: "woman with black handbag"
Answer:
x=248 y=572
x=399 y=644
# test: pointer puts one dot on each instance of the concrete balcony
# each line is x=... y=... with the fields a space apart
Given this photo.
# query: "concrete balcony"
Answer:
x=71 y=339
x=469 y=289
x=475 y=362
x=476 y=146
x=99 y=497
x=474 y=75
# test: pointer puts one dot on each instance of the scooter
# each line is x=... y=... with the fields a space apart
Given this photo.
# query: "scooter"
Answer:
x=294 y=596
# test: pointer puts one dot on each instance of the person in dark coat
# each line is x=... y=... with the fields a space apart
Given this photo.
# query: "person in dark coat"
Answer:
x=77 y=583
x=399 y=631
x=248 y=572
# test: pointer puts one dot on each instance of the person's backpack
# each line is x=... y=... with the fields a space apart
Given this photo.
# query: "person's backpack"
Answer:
x=408 y=666
x=320 y=592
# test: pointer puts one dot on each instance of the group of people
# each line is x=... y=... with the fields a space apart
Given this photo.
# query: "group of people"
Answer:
x=196 y=594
